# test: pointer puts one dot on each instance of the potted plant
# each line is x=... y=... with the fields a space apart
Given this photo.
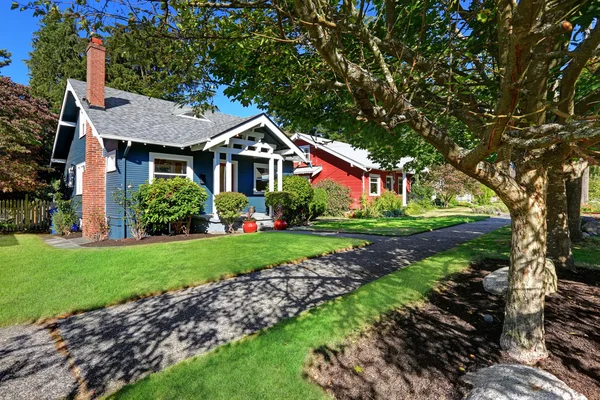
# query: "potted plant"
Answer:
x=249 y=222
x=280 y=224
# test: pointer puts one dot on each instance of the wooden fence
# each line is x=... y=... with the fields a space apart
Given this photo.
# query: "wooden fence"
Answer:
x=24 y=215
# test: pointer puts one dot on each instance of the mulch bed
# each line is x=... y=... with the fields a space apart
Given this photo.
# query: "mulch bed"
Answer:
x=421 y=353
x=149 y=239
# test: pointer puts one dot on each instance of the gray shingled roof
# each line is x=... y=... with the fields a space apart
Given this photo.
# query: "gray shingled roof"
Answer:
x=140 y=118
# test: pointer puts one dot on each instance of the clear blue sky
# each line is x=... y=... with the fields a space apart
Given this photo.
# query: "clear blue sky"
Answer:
x=16 y=29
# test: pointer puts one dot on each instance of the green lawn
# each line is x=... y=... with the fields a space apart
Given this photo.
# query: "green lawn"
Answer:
x=269 y=365
x=393 y=226
x=587 y=253
x=39 y=281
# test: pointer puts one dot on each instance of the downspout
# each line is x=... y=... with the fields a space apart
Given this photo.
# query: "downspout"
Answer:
x=125 y=187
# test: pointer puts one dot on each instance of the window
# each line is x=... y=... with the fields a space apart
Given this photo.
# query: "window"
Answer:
x=261 y=178
x=168 y=166
x=389 y=183
x=306 y=150
x=374 y=185
x=79 y=168
x=111 y=161
x=81 y=125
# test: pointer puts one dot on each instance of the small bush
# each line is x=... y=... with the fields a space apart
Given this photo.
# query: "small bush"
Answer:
x=64 y=217
x=488 y=209
x=279 y=200
x=229 y=206
x=100 y=225
x=318 y=204
x=389 y=204
x=171 y=201
x=134 y=213
x=338 y=197
x=415 y=208
x=297 y=211
x=592 y=206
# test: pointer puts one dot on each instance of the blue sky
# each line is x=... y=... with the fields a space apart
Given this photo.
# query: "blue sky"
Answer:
x=16 y=29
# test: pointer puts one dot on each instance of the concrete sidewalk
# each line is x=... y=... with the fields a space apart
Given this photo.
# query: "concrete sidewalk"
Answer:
x=119 y=345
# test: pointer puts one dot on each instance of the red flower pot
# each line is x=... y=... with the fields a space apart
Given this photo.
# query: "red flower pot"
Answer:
x=280 y=225
x=250 y=227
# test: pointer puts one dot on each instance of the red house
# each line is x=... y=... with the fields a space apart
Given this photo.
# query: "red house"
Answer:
x=349 y=166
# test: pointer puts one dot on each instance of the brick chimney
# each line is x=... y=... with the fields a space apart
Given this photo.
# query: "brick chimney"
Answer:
x=96 y=64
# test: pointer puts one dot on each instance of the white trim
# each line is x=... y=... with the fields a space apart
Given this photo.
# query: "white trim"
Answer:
x=404 y=191
x=79 y=169
x=250 y=153
x=378 y=184
x=312 y=171
x=328 y=150
x=111 y=161
x=306 y=150
x=254 y=166
x=387 y=178
x=173 y=157
x=235 y=173
x=279 y=175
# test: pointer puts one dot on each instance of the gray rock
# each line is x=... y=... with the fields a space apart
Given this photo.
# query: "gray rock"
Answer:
x=488 y=318
x=586 y=235
x=496 y=282
x=517 y=382
x=590 y=225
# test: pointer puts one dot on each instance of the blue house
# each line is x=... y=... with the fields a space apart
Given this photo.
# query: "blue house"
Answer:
x=109 y=139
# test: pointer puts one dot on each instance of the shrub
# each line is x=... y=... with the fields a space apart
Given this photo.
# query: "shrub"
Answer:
x=592 y=206
x=338 y=197
x=487 y=209
x=279 y=200
x=367 y=209
x=64 y=217
x=297 y=211
x=389 y=204
x=100 y=226
x=134 y=213
x=172 y=201
x=318 y=204
x=415 y=208
x=229 y=206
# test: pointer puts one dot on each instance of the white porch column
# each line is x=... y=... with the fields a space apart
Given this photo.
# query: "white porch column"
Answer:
x=228 y=174
x=404 y=192
x=279 y=175
x=271 y=174
x=216 y=177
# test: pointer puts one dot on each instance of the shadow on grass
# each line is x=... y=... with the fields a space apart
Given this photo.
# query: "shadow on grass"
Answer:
x=8 y=240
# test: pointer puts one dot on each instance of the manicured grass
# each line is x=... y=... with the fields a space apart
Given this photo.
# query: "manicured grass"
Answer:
x=269 y=365
x=393 y=226
x=39 y=281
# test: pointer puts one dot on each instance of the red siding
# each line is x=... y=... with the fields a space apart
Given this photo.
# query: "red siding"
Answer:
x=342 y=172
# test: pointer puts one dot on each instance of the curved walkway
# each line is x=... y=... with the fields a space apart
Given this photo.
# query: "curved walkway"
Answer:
x=118 y=345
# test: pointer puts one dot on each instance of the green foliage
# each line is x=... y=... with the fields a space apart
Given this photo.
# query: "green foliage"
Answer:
x=64 y=217
x=27 y=130
x=489 y=209
x=594 y=188
x=279 y=200
x=171 y=200
x=5 y=58
x=318 y=204
x=592 y=206
x=484 y=195
x=134 y=212
x=338 y=197
x=418 y=207
x=389 y=204
x=420 y=191
x=367 y=209
x=229 y=206
x=297 y=212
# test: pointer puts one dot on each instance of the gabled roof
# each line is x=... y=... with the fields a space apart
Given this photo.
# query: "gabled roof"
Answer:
x=357 y=157
x=138 y=118
x=135 y=117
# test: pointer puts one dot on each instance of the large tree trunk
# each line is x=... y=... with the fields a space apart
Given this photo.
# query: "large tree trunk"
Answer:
x=523 y=333
x=558 y=238
x=573 y=187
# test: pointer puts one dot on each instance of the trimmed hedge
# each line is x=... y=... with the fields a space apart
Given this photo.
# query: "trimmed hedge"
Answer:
x=229 y=206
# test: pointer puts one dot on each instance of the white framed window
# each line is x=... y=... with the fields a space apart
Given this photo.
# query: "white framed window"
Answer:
x=111 y=161
x=389 y=183
x=306 y=150
x=261 y=177
x=374 y=185
x=400 y=185
x=168 y=166
x=81 y=124
x=79 y=168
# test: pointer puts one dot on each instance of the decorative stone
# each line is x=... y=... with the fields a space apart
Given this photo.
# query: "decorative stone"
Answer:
x=590 y=225
x=496 y=282
x=517 y=382
x=488 y=318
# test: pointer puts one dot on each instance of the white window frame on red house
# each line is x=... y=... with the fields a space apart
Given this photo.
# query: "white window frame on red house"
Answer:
x=79 y=168
x=378 y=177
x=189 y=170
x=306 y=150
x=389 y=180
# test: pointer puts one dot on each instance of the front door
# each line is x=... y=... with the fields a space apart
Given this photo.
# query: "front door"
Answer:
x=234 y=177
